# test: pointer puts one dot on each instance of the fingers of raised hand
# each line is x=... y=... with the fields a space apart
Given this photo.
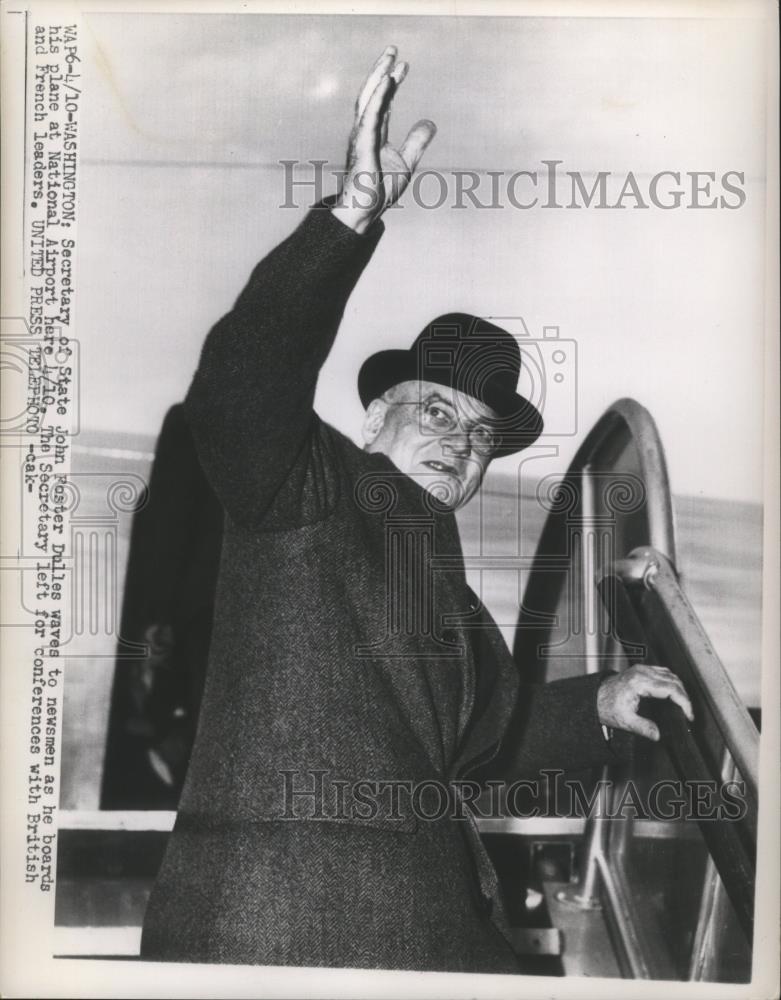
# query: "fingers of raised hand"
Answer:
x=382 y=67
x=368 y=136
x=397 y=75
x=369 y=153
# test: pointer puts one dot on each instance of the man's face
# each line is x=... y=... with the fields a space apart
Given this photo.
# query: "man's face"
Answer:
x=438 y=436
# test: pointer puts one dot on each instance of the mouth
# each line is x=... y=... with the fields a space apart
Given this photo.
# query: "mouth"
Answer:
x=448 y=470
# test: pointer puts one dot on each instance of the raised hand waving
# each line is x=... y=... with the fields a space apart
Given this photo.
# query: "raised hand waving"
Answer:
x=376 y=172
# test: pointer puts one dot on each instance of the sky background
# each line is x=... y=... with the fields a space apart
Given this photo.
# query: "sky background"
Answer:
x=185 y=120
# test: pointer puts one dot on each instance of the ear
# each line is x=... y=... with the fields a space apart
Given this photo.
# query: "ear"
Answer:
x=374 y=420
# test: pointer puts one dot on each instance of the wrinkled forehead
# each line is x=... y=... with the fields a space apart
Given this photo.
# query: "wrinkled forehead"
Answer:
x=461 y=403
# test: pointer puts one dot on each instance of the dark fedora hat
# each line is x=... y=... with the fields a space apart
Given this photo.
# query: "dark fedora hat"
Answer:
x=466 y=353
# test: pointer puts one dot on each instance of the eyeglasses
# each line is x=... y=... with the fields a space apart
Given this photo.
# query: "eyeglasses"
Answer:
x=437 y=416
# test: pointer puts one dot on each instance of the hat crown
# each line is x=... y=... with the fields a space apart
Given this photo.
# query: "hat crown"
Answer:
x=479 y=357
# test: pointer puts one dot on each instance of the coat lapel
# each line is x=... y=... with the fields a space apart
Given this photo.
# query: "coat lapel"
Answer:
x=495 y=690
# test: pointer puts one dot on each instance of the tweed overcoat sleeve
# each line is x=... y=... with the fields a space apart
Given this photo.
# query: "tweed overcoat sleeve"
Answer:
x=519 y=729
x=556 y=726
x=250 y=402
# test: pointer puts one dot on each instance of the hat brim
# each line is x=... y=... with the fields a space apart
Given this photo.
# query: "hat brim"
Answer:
x=520 y=422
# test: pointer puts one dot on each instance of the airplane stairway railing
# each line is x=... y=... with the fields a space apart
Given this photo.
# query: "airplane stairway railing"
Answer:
x=670 y=899
x=650 y=609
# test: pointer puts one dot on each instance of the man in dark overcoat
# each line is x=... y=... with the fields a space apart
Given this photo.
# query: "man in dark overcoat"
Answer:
x=349 y=657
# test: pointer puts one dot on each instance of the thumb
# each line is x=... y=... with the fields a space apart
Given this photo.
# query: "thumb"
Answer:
x=418 y=138
x=643 y=727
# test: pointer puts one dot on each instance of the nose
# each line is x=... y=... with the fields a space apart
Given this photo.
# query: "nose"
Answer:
x=457 y=444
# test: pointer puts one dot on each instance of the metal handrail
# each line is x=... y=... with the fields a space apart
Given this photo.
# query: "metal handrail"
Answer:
x=652 y=570
x=654 y=604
